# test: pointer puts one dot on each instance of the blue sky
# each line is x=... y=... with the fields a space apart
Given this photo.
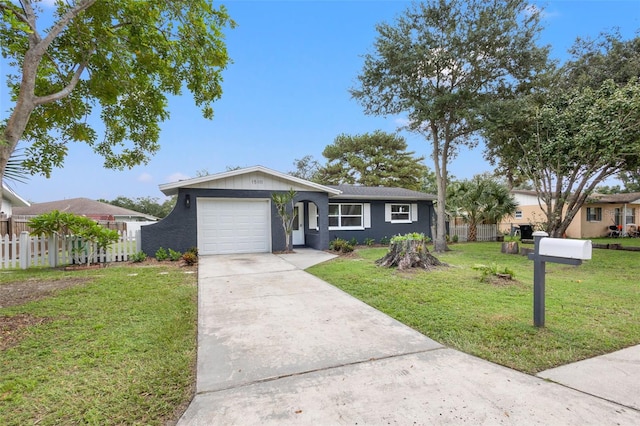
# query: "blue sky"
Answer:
x=286 y=95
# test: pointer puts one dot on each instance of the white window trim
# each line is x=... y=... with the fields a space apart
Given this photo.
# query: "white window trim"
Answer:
x=413 y=213
x=366 y=218
x=313 y=216
x=518 y=214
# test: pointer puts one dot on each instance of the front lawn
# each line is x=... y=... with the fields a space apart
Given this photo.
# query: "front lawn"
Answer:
x=591 y=309
x=111 y=346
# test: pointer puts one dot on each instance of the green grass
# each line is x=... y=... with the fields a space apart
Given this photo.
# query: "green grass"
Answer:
x=590 y=309
x=119 y=349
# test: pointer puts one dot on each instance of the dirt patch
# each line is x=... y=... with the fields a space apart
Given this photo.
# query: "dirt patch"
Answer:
x=19 y=293
x=13 y=328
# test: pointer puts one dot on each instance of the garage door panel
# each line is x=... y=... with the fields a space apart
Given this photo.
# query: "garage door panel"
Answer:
x=234 y=226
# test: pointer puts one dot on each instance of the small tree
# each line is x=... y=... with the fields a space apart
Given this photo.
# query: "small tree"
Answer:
x=285 y=204
x=90 y=234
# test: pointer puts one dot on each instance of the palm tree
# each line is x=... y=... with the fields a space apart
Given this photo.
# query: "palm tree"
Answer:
x=481 y=200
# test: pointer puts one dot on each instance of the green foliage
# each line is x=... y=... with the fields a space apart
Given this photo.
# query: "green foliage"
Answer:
x=493 y=270
x=139 y=257
x=193 y=250
x=306 y=168
x=147 y=205
x=369 y=241
x=372 y=159
x=285 y=205
x=480 y=200
x=174 y=256
x=190 y=257
x=385 y=240
x=161 y=254
x=353 y=241
x=413 y=236
x=426 y=66
x=123 y=58
x=66 y=224
x=455 y=238
x=341 y=245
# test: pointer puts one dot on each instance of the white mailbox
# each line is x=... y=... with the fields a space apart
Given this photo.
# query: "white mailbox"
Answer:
x=570 y=249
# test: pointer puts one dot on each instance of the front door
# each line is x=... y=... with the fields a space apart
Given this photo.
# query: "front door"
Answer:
x=298 y=225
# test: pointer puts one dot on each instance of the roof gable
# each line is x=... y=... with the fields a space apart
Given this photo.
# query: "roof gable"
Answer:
x=250 y=178
x=13 y=197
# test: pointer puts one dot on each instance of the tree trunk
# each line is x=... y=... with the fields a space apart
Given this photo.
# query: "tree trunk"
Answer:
x=409 y=254
x=473 y=232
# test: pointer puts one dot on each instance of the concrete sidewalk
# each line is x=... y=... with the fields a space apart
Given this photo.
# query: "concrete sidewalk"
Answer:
x=277 y=345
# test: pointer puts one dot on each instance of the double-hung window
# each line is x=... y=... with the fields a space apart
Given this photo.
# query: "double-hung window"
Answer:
x=594 y=214
x=346 y=216
x=401 y=213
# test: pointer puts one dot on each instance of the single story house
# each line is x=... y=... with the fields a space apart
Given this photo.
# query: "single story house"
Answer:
x=596 y=215
x=86 y=207
x=232 y=212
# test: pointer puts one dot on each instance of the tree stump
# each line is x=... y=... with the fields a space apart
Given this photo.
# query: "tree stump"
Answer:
x=409 y=253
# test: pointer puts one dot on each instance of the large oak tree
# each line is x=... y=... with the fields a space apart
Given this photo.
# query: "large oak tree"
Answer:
x=583 y=129
x=441 y=63
x=119 y=59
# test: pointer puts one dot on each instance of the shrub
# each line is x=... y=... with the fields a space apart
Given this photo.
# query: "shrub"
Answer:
x=190 y=258
x=139 y=257
x=385 y=240
x=161 y=254
x=369 y=241
x=193 y=250
x=353 y=241
x=174 y=256
x=341 y=245
x=413 y=236
x=493 y=270
x=455 y=238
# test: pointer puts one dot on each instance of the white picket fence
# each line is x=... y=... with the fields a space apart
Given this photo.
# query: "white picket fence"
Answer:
x=24 y=251
x=485 y=232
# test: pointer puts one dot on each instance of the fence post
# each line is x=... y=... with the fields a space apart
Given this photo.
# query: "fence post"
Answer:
x=138 y=240
x=25 y=250
x=53 y=250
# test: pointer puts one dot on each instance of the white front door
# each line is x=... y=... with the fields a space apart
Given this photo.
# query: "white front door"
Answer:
x=298 y=225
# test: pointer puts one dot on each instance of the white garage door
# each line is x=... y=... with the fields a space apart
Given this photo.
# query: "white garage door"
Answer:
x=228 y=226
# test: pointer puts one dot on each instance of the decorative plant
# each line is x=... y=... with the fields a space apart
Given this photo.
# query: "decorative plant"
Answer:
x=493 y=270
x=285 y=204
x=139 y=257
x=369 y=241
x=340 y=245
x=174 y=256
x=190 y=258
x=161 y=254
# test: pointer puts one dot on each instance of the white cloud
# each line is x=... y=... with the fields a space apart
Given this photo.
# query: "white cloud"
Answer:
x=174 y=177
x=145 y=177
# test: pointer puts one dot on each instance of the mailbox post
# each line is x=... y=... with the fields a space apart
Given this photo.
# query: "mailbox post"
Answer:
x=556 y=250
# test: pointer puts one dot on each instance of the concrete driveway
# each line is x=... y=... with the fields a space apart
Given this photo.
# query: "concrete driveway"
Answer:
x=277 y=345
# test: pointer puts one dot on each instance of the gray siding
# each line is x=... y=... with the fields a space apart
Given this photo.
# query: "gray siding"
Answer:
x=380 y=228
x=178 y=230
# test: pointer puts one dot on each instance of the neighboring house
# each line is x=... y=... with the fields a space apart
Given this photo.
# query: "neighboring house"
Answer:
x=10 y=200
x=594 y=218
x=232 y=212
x=86 y=207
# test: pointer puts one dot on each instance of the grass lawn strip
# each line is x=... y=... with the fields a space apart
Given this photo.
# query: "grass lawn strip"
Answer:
x=117 y=349
x=590 y=310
